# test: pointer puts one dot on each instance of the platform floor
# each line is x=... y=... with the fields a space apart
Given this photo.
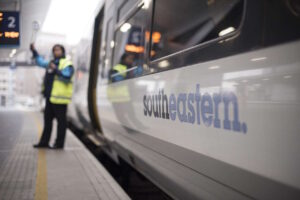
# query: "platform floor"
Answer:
x=34 y=174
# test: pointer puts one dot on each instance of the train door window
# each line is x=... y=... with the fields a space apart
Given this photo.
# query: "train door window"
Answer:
x=108 y=47
x=125 y=7
x=181 y=25
x=129 y=47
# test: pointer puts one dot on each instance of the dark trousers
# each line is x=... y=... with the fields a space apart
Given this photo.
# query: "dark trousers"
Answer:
x=59 y=112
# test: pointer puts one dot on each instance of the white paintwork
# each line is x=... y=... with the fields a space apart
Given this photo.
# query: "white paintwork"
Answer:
x=266 y=83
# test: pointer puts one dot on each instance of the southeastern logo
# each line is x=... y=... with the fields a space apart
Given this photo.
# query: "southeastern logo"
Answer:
x=196 y=108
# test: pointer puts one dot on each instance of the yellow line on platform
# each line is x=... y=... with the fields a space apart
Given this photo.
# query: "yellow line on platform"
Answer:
x=41 y=188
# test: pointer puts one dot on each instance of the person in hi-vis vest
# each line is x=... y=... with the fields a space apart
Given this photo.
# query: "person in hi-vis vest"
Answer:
x=58 y=88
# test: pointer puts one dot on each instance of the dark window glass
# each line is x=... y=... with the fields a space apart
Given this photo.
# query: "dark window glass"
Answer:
x=179 y=25
x=281 y=22
x=125 y=7
x=129 y=48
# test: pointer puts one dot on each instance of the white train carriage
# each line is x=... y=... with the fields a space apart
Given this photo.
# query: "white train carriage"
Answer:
x=202 y=97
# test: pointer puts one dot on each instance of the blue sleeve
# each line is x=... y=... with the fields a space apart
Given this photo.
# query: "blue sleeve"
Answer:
x=40 y=61
x=67 y=72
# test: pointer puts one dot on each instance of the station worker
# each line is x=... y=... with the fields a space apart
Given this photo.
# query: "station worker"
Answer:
x=128 y=67
x=58 y=88
x=119 y=71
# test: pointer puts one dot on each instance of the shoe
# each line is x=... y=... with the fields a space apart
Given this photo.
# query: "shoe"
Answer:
x=56 y=147
x=39 y=145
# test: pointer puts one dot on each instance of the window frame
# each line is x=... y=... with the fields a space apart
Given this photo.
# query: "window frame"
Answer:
x=105 y=69
x=242 y=40
x=203 y=44
x=120 y=8
x=128 y=16
x=135 y=5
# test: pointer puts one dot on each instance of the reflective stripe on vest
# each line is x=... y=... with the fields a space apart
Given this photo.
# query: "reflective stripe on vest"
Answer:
x=61 y=92
x=118 y=93
x=121 y=69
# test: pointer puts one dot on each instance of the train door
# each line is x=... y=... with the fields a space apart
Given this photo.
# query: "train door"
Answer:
x=93 y=76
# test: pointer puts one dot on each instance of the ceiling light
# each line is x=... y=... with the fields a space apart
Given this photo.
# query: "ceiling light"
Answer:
x=146 y=4
x=214 y=67
x=163 y=64
x=125 y=27
x=258 y=59
x=226 y=31
x=112 y=44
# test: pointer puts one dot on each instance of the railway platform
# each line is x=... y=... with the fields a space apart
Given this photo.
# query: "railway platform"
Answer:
x=40 y=174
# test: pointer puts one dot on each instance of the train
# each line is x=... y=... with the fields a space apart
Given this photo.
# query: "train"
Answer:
x=202 y=97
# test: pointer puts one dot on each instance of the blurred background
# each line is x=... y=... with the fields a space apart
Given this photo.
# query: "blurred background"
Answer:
x=44 y=23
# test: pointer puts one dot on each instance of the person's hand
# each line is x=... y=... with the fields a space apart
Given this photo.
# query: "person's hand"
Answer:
x=52 y=65
x=32 y=47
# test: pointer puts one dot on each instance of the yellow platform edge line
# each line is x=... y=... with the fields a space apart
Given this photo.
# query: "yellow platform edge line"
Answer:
x=41 y=187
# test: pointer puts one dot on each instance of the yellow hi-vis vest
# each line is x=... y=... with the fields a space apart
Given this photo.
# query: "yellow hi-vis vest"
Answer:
x=121 y=69
x=119 y=92
x=62 y=90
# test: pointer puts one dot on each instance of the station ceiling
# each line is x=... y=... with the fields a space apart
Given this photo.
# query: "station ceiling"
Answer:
x=55 y=24
x=30 y=10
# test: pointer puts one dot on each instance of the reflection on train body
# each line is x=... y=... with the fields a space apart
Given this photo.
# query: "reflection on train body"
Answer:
x=225 y=72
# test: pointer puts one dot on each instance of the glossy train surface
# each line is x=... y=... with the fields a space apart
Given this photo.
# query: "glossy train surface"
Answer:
x=202 y=97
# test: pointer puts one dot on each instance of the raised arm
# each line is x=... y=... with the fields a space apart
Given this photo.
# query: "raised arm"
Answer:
x=40 y=61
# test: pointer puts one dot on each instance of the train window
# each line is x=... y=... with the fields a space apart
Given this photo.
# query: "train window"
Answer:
x=129 y=48
x=180 y=25
x=108 y=46
x=125 y=7
x=281 y=22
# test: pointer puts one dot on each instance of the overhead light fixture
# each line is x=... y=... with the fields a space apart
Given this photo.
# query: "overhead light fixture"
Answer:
x=112 y=44
x=163 y=64
x=231 y=85
x=258 y=59
x=146 y=4
x=13 y=52
x=245 y=74
x=226 y=31
x=214 y=67
x=125 y=27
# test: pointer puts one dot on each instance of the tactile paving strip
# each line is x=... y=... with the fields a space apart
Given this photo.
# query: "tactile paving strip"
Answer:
x=18 y=172
x=72 y=173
